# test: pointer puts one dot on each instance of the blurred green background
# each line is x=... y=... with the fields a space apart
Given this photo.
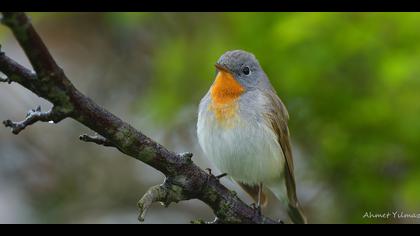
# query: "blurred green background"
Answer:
x=351 y=83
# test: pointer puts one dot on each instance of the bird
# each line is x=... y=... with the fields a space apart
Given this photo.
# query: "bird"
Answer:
x=242 y=128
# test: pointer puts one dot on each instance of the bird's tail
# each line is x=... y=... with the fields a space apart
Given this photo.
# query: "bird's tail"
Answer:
x=294 y=210
x=296 y=214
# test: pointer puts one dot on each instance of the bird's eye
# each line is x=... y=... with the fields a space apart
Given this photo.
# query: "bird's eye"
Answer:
x=245 y=70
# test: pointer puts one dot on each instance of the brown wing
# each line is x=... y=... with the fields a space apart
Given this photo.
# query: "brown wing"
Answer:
x=278 y=117
x=253 y=192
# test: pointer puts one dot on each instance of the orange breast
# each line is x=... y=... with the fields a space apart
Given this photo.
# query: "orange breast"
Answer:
x=225 y=88
x=224 y=93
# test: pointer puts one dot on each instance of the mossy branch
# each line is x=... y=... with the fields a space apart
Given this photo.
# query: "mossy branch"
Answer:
x=184 y=180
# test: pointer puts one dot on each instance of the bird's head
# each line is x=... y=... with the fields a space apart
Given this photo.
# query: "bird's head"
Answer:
x=238 y=71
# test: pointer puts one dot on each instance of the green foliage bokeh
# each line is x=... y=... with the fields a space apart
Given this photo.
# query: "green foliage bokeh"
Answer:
x=350 y=81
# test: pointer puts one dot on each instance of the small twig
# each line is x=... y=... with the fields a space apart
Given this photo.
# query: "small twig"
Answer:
x=32 y=117
x=17 y=73
x=154 y=194
x=165 y=194
x=96 y=139
x=5 y=80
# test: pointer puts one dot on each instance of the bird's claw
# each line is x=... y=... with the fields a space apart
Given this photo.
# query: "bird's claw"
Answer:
x=216 y=176
x=221 y=175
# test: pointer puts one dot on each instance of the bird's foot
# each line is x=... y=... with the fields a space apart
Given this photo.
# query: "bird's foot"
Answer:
x=221 y=175
x=216 y=176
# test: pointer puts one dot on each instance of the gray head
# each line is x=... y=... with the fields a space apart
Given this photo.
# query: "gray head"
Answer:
x=244 y=67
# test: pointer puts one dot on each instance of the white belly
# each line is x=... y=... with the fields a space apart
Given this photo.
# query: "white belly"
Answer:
x=248 y=153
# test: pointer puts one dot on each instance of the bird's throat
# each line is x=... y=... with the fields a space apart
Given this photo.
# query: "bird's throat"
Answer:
x=224 y=93
x=225 y=88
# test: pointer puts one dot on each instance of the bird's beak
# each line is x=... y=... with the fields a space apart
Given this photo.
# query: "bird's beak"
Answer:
x=222 y=68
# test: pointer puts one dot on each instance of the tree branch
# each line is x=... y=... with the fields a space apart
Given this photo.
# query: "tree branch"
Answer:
x=184 y=180
x=32 y=117
x=96 y=139
x=17 y=73
x=32 y=44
